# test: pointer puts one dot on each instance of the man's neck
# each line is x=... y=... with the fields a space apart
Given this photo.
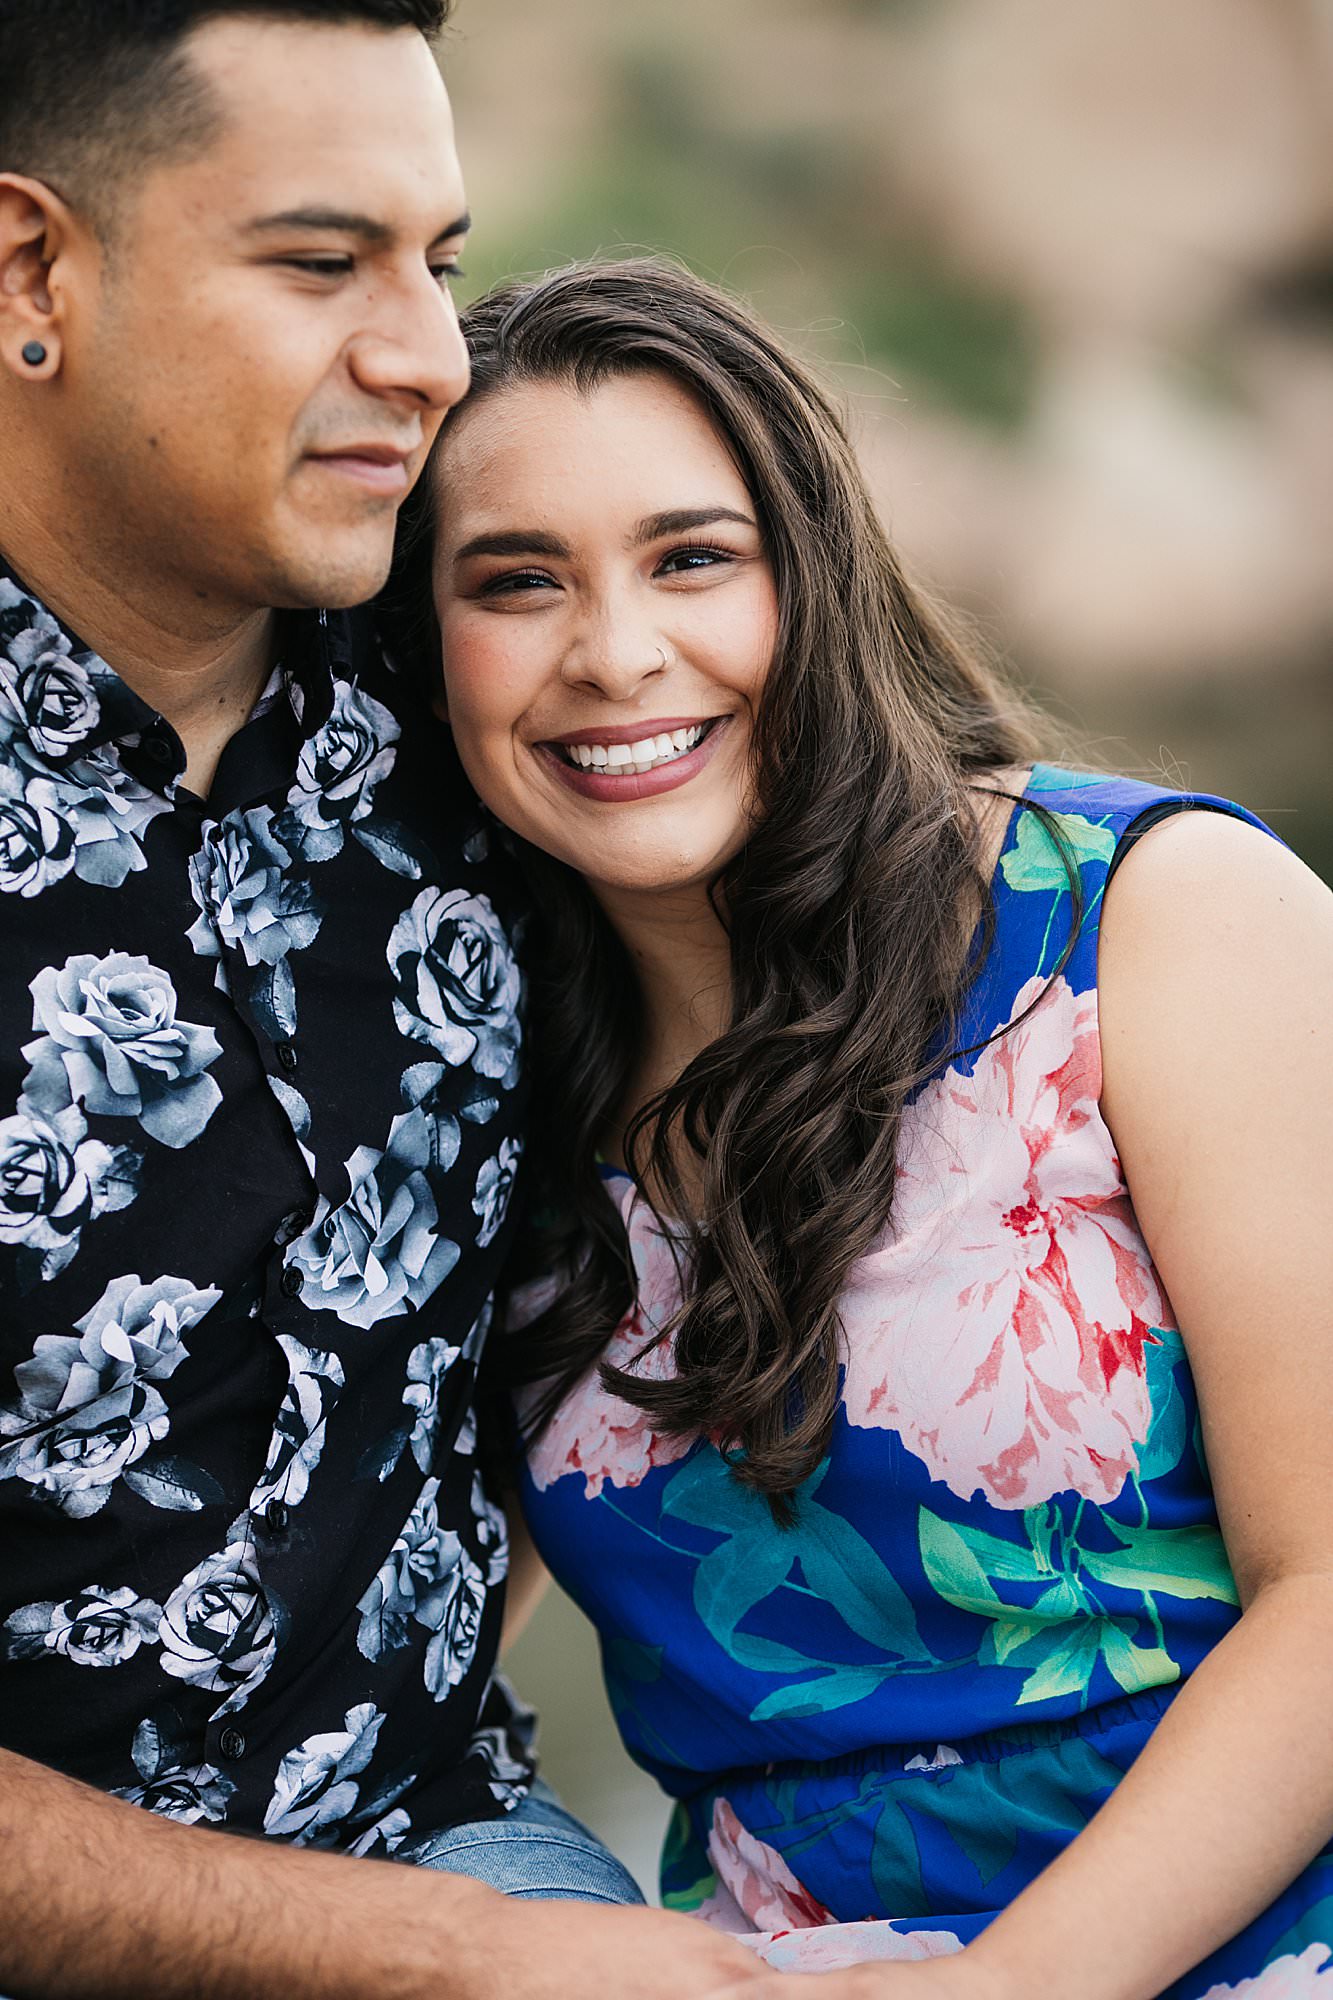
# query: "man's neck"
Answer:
x=202 y=666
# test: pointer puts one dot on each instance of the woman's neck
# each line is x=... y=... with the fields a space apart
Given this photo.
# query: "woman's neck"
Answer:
x=682 y=961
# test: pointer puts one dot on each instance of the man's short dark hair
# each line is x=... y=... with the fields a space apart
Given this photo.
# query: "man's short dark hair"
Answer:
x=92 y=91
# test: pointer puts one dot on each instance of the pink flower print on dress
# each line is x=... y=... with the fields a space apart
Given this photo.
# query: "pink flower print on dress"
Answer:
x=1001 y=1330
x=838 y=1947
x=1287 y=1978
x=760 y=1901
x=605 y=1438
x=757 y=1880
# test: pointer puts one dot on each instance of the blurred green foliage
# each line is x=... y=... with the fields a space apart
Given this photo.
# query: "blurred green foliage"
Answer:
x=668 y=170
x=972 y=350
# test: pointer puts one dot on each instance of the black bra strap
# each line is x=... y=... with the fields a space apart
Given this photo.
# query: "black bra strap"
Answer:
x=1153 y=816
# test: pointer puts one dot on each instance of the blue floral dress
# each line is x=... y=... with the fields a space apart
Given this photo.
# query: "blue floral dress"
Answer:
x=890 y=1717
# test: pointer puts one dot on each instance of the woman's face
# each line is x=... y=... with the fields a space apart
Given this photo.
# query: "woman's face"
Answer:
x=609 y=616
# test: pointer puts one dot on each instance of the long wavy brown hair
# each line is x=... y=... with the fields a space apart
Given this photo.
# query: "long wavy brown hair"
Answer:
x=857 y=911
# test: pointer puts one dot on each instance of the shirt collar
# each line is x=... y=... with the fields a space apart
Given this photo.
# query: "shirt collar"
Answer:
x=65 y=700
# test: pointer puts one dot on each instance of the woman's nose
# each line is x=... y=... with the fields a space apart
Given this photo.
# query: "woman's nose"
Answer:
x=616 y=662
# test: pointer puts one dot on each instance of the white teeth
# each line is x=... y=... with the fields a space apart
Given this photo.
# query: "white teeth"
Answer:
x=648 y=754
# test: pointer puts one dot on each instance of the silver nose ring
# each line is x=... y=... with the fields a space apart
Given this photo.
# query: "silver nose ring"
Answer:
x=662 y=652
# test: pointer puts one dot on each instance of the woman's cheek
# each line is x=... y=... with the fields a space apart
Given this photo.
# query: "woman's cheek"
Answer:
x=489 y=675
x=465 y=679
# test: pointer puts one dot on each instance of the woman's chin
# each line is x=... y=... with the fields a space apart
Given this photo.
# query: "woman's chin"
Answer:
x=637 y=860
x=629 y=872
x=646 y=880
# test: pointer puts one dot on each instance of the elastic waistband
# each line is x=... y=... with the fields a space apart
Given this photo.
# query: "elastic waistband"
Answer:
x=892 y=1759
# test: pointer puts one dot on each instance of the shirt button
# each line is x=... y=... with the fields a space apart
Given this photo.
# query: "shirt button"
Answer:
x=158 y=748
x=291 y=1282
x=232 y=1745
x=276 y=1517
x=287 y=1057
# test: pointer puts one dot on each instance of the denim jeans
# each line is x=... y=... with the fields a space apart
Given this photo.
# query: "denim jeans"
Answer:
x=538 y=1850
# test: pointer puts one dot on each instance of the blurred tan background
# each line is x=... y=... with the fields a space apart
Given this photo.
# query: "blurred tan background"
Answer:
x=1070 y=264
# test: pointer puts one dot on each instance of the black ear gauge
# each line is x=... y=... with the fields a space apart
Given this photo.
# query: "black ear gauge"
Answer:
x=34 y=354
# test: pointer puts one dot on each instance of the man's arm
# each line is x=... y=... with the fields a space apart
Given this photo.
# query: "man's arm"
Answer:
x=100 y=1900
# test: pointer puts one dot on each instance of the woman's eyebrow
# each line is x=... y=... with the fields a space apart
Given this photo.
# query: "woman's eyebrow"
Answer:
x=537 y=542
x=679 y=520
x=515 y=542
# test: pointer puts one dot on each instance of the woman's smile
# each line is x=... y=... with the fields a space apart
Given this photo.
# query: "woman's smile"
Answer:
x=610 y=765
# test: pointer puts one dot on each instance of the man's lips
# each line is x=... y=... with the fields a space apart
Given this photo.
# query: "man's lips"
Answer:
x=379 y=468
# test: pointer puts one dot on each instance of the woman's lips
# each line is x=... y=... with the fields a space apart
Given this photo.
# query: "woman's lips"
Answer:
x=611 y=789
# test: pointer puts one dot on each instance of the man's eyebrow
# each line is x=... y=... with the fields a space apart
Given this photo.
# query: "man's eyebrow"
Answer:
x=515 y=542
x=347 y=222
x=679 y=521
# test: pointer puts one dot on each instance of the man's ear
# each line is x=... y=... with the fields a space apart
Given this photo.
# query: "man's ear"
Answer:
x=37 y=230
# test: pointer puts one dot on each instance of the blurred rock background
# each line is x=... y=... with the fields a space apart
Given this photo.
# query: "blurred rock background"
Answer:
x=1070 y=265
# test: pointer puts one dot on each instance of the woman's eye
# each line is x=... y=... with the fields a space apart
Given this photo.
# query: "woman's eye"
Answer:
x=445 y=274
x=514 y=581
x=682 y=561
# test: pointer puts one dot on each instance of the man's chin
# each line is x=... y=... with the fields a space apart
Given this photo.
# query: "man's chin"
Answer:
x=333 y=579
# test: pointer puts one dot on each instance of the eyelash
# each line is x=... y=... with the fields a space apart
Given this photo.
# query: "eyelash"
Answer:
x=515 y=581
x=700 y=549
x=341 y=267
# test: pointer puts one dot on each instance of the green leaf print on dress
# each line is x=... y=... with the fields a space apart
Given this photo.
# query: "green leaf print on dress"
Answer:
x=1034 y=862
x=984 y=1808
x=1061 y=1626
x=631 y=1671
x=753 y=1562
x=1168 y=1435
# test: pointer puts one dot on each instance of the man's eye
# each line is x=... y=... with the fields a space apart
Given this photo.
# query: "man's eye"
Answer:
x=320 y=267
x=445 y=274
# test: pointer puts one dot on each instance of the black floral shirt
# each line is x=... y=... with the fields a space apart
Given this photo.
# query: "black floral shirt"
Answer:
x=259 y=1124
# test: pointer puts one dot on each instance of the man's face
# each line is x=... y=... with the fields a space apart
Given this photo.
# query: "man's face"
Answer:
x=275 y=344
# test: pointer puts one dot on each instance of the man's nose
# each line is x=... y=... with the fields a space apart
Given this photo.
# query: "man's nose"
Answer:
x=415 y=351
